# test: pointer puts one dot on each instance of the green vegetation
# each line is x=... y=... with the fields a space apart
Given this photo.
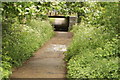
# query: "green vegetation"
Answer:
x=23 y=32
x=21 y=40
x=94 y=52
x=52 y=20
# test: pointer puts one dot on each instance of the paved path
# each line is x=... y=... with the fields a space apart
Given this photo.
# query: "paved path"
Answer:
x=48 y=61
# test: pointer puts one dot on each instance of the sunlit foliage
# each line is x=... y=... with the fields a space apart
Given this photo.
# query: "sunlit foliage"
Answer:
x=94 y=52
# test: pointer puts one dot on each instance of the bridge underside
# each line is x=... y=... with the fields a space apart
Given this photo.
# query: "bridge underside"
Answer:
x=60 y=23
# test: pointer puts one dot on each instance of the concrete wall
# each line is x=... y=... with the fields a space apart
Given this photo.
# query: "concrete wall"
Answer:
x=62 y=22
x=72 y=21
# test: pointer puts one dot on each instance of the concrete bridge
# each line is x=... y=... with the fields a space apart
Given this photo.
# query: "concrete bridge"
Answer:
x=63 y=23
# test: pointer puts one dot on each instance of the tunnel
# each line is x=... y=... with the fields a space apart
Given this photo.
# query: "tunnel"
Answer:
x=60 y=23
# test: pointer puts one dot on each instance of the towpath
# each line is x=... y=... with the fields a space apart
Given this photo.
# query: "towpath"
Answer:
x=48 y=61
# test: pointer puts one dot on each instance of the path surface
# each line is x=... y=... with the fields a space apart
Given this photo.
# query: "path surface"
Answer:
x=48 y=61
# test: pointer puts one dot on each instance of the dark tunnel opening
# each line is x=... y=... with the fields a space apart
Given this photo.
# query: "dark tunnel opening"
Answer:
x=60 y=23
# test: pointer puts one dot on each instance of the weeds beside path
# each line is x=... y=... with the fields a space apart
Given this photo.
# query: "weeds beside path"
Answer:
x=48 y=61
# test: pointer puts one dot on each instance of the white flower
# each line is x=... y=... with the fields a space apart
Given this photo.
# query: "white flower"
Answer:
x=20 y=5
x=33 y=13
x=27 y=9
x=26 y=12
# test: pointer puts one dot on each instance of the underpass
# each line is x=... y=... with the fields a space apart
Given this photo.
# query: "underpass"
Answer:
x=62 y=23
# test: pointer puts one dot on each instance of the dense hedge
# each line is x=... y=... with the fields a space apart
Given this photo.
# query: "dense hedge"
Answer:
x=21 y=40
x=94 y=52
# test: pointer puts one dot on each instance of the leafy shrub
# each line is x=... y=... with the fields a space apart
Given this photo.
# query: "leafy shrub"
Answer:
x=21 y=40
x=5 y=67
x=90 y=67
x=94 y=52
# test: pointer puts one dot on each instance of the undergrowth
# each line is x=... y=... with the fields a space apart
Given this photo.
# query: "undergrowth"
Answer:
x=20 y=41
x=94 y=52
